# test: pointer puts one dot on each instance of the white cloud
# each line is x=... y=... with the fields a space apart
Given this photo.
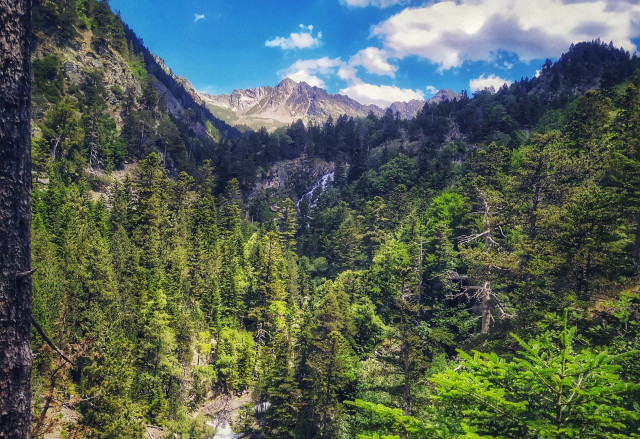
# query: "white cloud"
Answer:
x=380 y=95
x=374 y=60
x=309 y=69
x=451 y=32
x=491 y=82
x=302 y=76
x=322 y=65
x=297 y=40
x=431 y=90
x=198 y=17
x=312 y=72
x=377 y=3
x=347 y=73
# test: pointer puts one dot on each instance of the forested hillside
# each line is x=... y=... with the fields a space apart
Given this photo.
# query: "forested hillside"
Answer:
x=472 y=272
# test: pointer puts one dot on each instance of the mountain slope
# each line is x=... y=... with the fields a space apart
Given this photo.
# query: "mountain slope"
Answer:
x=179 y=91
x=102 y=99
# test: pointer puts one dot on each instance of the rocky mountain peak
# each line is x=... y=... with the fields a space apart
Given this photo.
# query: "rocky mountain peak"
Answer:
x=444 y=95
x=289 y=84
x=272 y=107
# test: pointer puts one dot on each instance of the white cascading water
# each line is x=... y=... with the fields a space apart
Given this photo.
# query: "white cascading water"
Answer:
x=224 y=431
x=321 y=183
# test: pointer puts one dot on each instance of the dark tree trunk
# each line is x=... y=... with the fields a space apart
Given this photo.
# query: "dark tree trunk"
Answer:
x=636 y=246
x=15 y=219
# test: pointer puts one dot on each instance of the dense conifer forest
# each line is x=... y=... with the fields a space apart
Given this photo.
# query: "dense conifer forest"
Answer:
x=472 y=272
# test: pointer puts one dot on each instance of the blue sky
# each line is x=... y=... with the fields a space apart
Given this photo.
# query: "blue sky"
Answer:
x=375 y=51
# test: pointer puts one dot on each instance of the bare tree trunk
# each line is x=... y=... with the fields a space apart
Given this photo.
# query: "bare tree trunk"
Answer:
x=486 y=290
x=15 y=219
x=486 y=310
x=482 y=294
x=93 y=153
x=420 y=270
x=406 y=370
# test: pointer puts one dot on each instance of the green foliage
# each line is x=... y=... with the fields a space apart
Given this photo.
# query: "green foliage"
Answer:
x=399 y=170
x=62 y=129
x=213 y=131
x=550 y=389
x=176 y=286
x=47 y=77
x=393 y=420
x=234 y=358
x=332 y=368
x=185 y=427
x=137 y=68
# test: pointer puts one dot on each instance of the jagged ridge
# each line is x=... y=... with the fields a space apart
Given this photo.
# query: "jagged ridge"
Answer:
x=289 y=101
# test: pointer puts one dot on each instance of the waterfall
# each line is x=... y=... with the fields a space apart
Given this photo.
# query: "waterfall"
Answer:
x=321 y=183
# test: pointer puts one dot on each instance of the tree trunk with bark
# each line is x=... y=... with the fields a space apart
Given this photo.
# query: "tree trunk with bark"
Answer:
x=15 y=219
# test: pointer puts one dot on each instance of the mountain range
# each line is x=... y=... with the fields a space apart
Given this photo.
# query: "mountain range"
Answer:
x=273 y=107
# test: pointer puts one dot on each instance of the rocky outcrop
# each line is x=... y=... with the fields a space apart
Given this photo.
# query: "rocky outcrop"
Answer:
x=282 y=105
x=287 y=174
x=82 y=55
x=80 y=58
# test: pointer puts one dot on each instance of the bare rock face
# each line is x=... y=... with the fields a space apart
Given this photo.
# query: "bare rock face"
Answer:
x=78 y=59
x=282 y=174
x=407 y=110
x=289 y=101
x=444 y=95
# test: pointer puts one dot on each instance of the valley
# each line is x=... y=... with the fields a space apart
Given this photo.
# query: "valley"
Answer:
x=284 y=262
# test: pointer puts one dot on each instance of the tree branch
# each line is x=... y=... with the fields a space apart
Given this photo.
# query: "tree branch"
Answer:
x=49 y=342
x=25 y=273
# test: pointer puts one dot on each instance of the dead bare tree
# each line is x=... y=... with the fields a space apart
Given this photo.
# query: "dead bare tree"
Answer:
x=482 y=292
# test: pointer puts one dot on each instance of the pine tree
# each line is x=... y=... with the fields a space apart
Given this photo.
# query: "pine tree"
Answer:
x=94 y=106
x=625 y=164
x=269 y=275
x=231 y=280
x=347 y=249
x=487 y=262
x=281 y=417
x=374 y=223
x=551 y=389
x=62 y=130
x=332 y=369
x=150 y=185
x=289 y=225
